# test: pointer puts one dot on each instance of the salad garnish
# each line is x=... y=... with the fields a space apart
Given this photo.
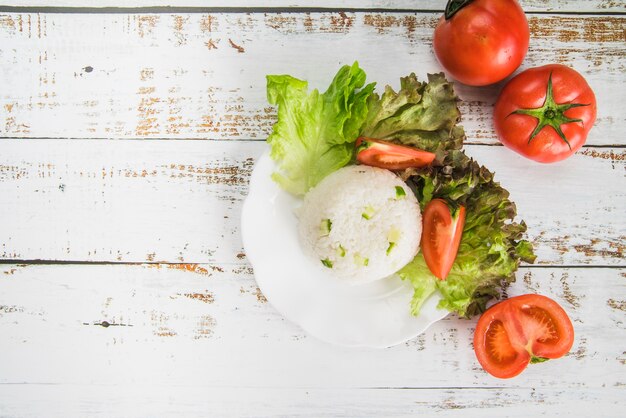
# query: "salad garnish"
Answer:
x=315 y=132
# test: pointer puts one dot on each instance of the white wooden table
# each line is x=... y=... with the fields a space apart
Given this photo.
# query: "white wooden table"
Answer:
x=128 y=138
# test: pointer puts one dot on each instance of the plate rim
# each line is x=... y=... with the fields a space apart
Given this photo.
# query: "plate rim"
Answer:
x=439 y=313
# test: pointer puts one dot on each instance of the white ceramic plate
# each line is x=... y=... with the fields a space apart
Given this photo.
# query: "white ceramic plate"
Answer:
x=371 y=315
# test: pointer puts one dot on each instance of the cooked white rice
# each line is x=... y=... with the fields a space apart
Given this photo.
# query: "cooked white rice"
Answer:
x=362 y=223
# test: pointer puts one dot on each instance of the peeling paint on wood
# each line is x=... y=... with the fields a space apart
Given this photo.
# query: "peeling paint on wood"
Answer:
x=618 y=159
x=146 y=24
x=609 y=248
x=617 y=304
x=206 y=297
x=570 y=297
x=164 y=332
x=254 y=290
x=528 y=281
x=235 y=46
x=600 y=29
x=384 y=21
x=180 y=202
x=260 y=297
x=581 y=349
x=192 y=268
x=4 y=309
x=227 y=175
x=205 y=327
x=607 y=155
x=243 y=270
x=233 y=337
x=434 y=5
x=211 y=85
x=208 y=327
x=311 y=402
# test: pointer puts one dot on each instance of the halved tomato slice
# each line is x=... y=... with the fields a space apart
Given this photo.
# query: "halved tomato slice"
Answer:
x=441 y=236
x=521 y=330
x=384 y=154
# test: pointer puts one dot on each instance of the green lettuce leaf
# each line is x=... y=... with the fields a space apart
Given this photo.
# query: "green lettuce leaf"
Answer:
x=491 y=246
x=425 y=115
x=420 y=114
x=314 y=136
x=315 y=132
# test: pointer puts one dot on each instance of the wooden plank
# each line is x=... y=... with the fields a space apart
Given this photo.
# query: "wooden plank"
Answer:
x=558 y=6
x=208 y=325
x=180 y=201
x=202 y=76
x=200 y=401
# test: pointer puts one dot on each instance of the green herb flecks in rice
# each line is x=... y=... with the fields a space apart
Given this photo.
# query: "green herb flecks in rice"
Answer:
x=326 y=227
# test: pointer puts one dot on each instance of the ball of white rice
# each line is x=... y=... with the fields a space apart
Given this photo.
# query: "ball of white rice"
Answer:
x=362 y=223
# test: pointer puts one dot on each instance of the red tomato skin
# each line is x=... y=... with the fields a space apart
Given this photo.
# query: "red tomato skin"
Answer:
x=441 y=237
x=519 y=334
x=527 y=90
x=484 y=42
x=385 y=154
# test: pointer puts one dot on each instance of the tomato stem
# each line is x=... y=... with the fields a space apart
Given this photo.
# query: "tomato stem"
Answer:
x=454 y=6
x=550 y=114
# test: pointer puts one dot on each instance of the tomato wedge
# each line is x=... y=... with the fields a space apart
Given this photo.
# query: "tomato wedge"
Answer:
x=441 y=236
x=384 y=154
x=521 y=330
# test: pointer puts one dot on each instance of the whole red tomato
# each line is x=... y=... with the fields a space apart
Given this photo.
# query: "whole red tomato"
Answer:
x=481 y=42
x=545 y=113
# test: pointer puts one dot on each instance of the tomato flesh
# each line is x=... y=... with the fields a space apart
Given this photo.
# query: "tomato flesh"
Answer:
x=441 y=236
x=498 y=344
x=512 y=333
x=383 y=154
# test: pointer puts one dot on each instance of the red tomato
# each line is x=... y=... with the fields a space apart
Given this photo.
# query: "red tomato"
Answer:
x=521 y=330
x=481 y=42
x=384 y=154
x=545 y=113
x=441 y=236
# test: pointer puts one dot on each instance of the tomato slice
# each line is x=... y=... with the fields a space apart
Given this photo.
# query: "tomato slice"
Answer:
x=521 y=330
x=383 y=154
x=441 y=236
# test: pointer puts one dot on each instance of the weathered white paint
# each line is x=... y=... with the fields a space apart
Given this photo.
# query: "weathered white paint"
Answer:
x=180 y=201
x=112 y=401
x=194 y=401
x=528 y=5
x=199 y=340
x=203 y=75
x=208 y=327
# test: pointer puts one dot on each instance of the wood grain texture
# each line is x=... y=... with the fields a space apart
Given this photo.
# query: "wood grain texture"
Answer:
x=143 y=326
x=202 y=76
x=180 y=201
x=178 y=338
x=580 y=6
x=34 y=401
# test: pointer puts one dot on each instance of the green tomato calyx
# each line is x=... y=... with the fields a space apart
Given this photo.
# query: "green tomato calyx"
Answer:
x=535 y=359
x=550 y=114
